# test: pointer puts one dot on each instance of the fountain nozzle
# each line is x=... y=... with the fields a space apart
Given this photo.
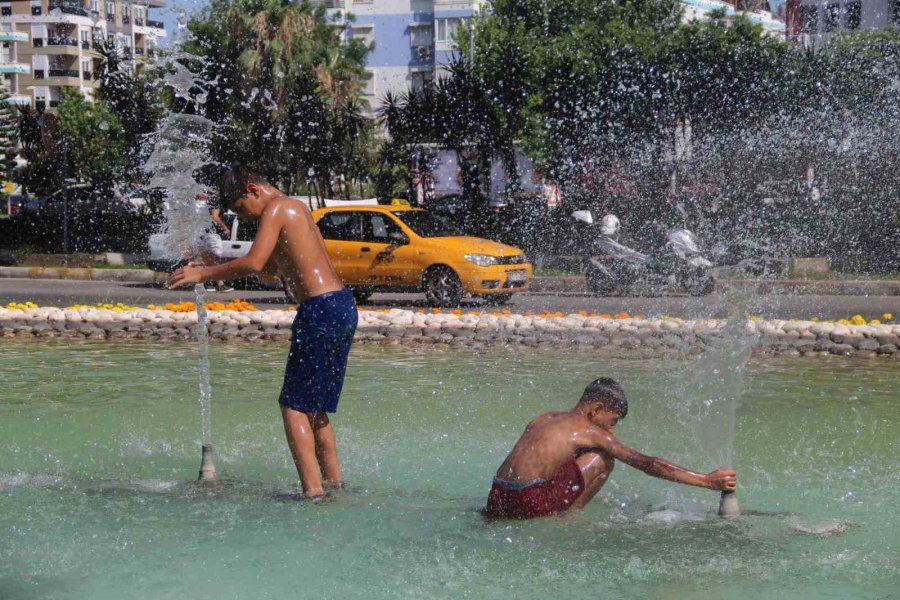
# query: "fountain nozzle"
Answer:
x=728 y=506
x=207 y=467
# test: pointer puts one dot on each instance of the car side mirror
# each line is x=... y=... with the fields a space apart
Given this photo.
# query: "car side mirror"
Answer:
x=398 y=238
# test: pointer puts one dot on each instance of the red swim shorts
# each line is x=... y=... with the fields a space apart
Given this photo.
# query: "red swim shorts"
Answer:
x=539 y=499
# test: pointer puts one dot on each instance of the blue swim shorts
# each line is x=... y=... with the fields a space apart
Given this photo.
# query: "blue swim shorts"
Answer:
x=320 y=342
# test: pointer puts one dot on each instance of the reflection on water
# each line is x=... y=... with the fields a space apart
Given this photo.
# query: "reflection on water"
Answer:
x=96 y=485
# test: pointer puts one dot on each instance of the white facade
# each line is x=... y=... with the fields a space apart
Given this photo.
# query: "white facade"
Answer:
x=812 y=19
x=413 y=38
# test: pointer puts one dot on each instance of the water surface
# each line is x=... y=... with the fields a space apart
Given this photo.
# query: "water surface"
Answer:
x=100 y=444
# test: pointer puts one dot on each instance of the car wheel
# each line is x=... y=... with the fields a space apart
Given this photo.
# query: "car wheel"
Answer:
x=597 y=283
x=701 y=286
x=497 y=299
x=442 y=287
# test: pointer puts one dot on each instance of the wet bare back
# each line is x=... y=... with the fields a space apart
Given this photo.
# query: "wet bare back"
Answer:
x=549 y=442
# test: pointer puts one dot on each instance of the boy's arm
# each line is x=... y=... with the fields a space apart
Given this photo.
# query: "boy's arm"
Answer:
x=253 y=262
x=216 y=215
x=720 y=479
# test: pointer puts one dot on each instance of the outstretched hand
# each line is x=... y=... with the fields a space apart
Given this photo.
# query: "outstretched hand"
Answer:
x=184 y=276
x=722 y=479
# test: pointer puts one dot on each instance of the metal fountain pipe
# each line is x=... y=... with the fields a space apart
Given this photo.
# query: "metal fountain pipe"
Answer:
x=728 y=506
x=207 y=467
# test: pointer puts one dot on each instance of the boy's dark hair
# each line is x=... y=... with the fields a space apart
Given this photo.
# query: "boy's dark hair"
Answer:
x=607 y=392
x=233 y=184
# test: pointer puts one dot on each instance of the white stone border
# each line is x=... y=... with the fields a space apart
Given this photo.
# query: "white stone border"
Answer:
x=628 y=337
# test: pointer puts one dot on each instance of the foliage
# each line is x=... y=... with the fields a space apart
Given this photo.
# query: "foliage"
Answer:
x=134 y=97
x=285 y=87
x=9 y=135
x=82 y=141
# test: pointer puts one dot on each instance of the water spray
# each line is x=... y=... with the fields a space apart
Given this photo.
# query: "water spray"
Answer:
x=207 y=467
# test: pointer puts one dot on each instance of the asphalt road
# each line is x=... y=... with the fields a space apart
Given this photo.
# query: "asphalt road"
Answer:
x=47 y=292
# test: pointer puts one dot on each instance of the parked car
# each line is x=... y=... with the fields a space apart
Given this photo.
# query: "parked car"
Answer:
x=392 y=248
x=17 y=203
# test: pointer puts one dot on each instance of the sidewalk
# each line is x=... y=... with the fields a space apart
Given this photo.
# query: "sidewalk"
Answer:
x=83 y=274
x=540 y=285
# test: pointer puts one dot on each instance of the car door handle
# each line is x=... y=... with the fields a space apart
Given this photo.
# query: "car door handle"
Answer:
x=365 y=249
x=236 y=246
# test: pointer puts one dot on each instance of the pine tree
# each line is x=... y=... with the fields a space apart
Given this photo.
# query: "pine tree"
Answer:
x=9 y=135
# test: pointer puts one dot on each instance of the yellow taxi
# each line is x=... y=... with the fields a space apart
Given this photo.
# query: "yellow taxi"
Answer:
x=397 y=248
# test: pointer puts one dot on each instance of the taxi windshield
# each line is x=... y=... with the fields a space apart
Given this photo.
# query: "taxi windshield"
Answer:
x=427 y=224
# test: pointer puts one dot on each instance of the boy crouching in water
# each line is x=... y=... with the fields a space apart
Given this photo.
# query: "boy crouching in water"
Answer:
x=564 y=458
x=323 y=328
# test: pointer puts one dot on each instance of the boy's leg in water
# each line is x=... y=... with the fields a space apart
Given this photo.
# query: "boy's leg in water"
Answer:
x=595 y=471
x=302 y=442
x=326 y=450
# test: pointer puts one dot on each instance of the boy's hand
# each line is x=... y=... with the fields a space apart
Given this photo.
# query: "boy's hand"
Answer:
x=184 y=276
x=722 y=479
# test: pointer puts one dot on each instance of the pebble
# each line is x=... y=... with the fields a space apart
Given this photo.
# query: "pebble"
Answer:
x=628 y=337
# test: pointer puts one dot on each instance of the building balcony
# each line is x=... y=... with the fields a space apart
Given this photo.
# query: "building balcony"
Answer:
x=13 y=36
x=126 y=20
x=71 y=7
x=155 y=24
x=39 y=74
x=64 y=73
x=139 y=51
x=86 y=75
x=62 y=41
x=17 y=68
x=19 y=100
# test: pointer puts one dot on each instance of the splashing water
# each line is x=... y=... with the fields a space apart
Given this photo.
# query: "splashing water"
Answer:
x=203 y=366
x=179 y=150
x=716 y=385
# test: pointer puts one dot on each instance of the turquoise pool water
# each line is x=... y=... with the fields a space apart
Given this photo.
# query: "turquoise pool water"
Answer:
x=99 y=447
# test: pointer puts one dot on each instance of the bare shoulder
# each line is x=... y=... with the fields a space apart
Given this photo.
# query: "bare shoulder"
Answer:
x=543 y=419
x=290 y=211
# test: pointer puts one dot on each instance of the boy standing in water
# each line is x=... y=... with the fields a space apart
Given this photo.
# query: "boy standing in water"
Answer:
x=323 y=328
x=564 y=458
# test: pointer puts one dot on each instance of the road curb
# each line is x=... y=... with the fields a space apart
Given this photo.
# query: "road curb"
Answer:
x=83 y=274
x=794 y=287
x=572 y=285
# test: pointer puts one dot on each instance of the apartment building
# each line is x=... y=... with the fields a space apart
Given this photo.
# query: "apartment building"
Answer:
x=413 y=38
x=809 y=20
x=757 y=11
x=49 y=45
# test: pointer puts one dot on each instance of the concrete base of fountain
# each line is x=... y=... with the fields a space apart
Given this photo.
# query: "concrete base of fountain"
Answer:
x=647 y=338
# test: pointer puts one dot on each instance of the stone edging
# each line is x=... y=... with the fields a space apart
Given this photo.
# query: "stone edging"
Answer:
x=622 y=337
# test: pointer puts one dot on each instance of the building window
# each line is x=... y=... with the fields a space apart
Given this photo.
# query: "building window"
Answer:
x=421 y=80
x=832 y=17
x=895 y=12
x=445 y=28
x=809 y=18
x=853 y=14
x=5 y=11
